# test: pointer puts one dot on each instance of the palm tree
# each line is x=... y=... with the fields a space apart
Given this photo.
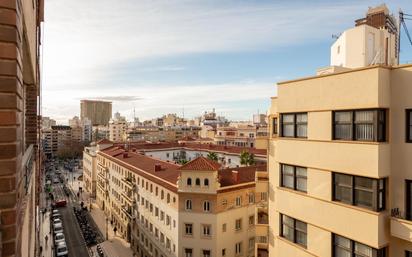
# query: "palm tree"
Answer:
x=247 y=158
x=212 y=156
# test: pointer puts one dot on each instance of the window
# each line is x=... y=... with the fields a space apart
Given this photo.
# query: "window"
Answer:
x=238 y=201
x=197 y=182
x=360 y=191
x=408 y=254
x=251 y=220
x=293 y=230
x=275 y=126
x=238 y=224
x=188 y=204
x=223 y=252
x=206 y=182
x=207 y=230
x=189 y=229
x=188 y=252
x=294 y=125
x=343 y=247
x=251 y=243
x=408 y=197
x=238 y=248
x=168 y=198
x=206 y=253
x=224 y=227
x=251 y=198
x=189 y=182
x=264 y=196
x=293 y=177
x=360 y=125
x=206 y=206
x=409 y=126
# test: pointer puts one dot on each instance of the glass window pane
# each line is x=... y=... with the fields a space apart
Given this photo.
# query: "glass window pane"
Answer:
x=343 y=188
x=342 y=241
x=364 y=126
x=287 y=176
x=343 y=131
x=362 y=250
x=302 y=118
x=340 y=252
x=366 y=183
x=364 y=116
x=301 y=130
x=288 y=233
x=301 y=238
x=287 y=220
x=363 y=198
x=343 y=117
x=288 y=130
x=287 y=169
x=288 y=118
x=301 y=226
x=301 y=179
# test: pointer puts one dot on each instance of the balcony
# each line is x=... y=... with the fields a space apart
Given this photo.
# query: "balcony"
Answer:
x=127 y=195
x=128 y=182
x=128 y=211
x=400 y=226
x=262 y=181
x=262 y=217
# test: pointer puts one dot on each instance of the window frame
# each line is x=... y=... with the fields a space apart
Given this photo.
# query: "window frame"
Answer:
x=295 y=230
x=294 y=123
x=379 y=127
x=294 y=177
x=377 y=192
x=382 y=252
x=408 y=126
x=274 y=125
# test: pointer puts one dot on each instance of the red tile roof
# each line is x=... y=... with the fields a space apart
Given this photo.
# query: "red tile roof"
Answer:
x=196 y=147
x=245 y=175
x=201 y=163
x=145 y=166
x=168 y=175
x=104 y=141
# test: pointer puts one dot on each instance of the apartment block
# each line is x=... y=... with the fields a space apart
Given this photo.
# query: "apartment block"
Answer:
x=339 y=166
x=19 y=135
x=164 y=209
x=89 y=168
x=98 y=112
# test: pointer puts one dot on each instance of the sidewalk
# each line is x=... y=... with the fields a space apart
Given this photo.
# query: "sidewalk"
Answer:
x=115 y=246
x=45 y=230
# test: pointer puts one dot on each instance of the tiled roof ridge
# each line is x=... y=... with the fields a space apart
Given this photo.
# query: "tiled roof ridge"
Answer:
x=201 y=163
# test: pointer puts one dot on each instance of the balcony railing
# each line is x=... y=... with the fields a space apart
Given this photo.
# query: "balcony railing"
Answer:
x=27 y=161
x=262 y=218
x=128 y=212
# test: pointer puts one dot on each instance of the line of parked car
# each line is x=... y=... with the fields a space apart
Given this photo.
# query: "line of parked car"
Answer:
x=60 y=246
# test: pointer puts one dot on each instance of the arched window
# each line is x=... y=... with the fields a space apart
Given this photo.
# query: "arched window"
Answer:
x=162 y=195
x=206 y=206
x=206 y=182
x=188 y=204
x=197 y=182
x=189 y=182
x=168 y=198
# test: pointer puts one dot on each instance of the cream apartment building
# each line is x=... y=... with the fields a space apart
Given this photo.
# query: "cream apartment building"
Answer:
x=89 y=168
x=164 y=209
x=339 y=164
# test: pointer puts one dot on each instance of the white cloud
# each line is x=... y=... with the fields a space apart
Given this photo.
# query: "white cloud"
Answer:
x=84 y=40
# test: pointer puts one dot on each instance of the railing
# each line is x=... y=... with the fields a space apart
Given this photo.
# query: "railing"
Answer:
x=27 y=161
x=397 y=213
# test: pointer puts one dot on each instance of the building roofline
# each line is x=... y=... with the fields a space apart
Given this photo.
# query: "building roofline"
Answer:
x=344 y=72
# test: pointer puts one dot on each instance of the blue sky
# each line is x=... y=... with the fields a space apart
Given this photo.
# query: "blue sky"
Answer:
x=162 y=56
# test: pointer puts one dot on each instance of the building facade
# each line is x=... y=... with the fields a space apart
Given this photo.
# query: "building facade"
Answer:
x=89 y=168
x=98 y=112
x=19 y=125
x=165 y=209
x=339 y=167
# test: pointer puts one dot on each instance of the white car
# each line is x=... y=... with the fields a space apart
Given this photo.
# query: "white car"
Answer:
x=55 y=211
x=59 y=237
x=56 y=215
x=58 y=228
x=61 y=249
x=57 y=221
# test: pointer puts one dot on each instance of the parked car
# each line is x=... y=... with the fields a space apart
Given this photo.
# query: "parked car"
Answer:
x=61 y=250
x=55 y=211
x=58 y=228
x=56 y=181
x=59 y=237
x=56 y=215
x=57 y=221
